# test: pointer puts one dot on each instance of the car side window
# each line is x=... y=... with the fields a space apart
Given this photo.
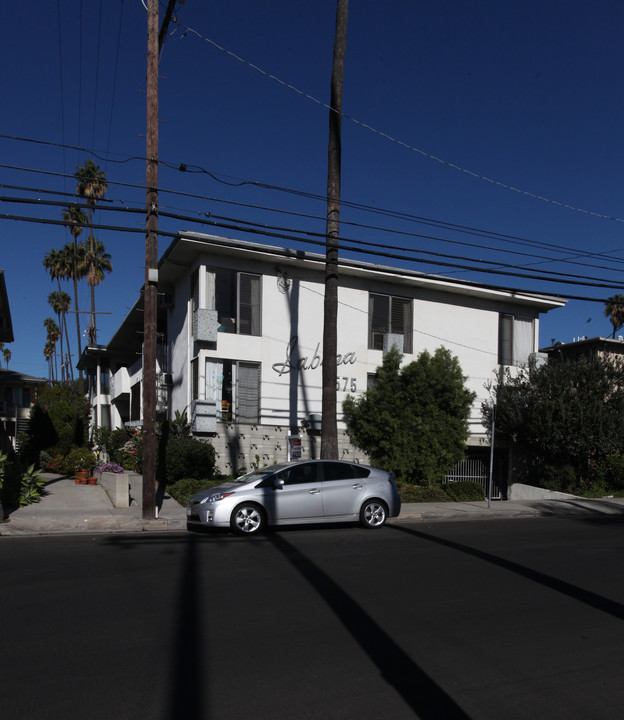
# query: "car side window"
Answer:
x=343 y=471
x=299 y=474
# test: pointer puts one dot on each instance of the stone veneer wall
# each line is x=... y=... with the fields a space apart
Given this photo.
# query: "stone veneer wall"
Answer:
x=246 y=446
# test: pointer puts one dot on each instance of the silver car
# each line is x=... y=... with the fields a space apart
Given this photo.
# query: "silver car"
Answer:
x=295 y=493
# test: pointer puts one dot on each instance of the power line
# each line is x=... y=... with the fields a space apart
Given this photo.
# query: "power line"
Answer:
x=401 y=143
x=284 y=236
x=411 y=218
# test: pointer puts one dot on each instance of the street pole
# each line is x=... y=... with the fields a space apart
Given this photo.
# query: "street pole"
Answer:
x=491 y=456
x=151 y=269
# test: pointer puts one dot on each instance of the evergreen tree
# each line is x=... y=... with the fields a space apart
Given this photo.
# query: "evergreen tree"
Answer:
x=565 y=413
x=414 y=421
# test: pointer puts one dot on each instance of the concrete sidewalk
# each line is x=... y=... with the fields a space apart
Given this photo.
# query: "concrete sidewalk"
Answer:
x=69 y=508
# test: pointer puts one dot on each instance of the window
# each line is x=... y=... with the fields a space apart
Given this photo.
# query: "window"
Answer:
x=238 y=302
x=299 y=474
x=515 y=339
x=104 y=382
x=343 y=471
x=234 y=387
x=388 y=316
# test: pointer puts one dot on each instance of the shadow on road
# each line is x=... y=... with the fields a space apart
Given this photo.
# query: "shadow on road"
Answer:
x=586 y=596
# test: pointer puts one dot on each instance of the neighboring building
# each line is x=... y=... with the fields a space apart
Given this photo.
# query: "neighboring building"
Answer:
x=16 y=390
x=17 y=394
x=240 y=343
x=601 y=347
x=6 y=326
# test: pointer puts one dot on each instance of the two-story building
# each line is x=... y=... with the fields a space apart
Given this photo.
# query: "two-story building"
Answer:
x=240 y=343
x=17 y=390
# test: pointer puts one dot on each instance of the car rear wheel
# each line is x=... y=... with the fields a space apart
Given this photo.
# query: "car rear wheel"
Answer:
x=373 y=513
x=247 y=519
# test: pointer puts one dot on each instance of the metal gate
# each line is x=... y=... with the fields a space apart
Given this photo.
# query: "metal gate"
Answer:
x=477 y=470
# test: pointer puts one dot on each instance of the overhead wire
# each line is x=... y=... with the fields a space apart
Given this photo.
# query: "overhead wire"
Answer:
x=390 y=138
x=309 y=238
x=501 y=237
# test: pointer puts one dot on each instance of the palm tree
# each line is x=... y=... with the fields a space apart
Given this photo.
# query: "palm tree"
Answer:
x=97 y=261
x=6 y=353
x=49 y=351
x=48 y=354
x=60 y=303
x=74 y=220
x=614 y=310
x=91 y=186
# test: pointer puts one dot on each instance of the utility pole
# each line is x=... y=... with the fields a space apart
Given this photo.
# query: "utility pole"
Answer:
x=151 y=268
x=329 y=429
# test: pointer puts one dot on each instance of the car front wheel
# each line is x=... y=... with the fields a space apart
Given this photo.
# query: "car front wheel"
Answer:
x=247 y=519
x=373 y=514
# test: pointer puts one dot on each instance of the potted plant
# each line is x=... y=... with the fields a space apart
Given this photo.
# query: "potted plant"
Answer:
x=79 y=462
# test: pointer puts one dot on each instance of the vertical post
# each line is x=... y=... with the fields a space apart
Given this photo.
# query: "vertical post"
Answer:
x=151 y=268
x=329 y=429
x=491 y=456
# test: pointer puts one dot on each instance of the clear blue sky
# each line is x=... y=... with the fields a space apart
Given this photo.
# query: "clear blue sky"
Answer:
x=477 y=99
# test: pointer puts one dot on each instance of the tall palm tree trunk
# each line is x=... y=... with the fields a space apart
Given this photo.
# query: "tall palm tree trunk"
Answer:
x=75 y=279
x=329 y=428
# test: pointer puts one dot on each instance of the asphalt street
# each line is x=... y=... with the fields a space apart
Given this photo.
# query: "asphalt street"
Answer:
x=480 y=620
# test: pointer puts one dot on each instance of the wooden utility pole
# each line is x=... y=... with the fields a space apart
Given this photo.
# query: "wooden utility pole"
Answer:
x=150 y=297
x=329 y=428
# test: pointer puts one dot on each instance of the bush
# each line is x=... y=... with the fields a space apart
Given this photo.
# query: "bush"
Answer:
x=421 y=493
x=188 y=458
x=78 y=458
x=464 y=491
x=184 y=489
x=18 y=487
x=558 y=479
x=611 y=472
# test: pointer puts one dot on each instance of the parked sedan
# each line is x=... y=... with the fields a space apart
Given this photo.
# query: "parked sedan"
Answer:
x=314 y=491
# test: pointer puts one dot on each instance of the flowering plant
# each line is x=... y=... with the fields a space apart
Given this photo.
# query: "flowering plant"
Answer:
x=110 y=467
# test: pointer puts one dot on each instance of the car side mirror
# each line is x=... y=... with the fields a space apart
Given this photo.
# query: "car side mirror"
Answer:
x=278 y=484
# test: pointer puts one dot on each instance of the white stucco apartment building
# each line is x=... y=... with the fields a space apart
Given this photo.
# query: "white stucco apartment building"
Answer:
x=240 y=343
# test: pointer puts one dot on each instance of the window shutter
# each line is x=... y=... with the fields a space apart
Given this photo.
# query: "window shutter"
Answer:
x=249 y=304
x=505 y=339
x=248 y=392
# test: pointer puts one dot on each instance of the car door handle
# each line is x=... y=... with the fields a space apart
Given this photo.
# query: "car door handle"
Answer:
x=314 y=491
x=357 y=486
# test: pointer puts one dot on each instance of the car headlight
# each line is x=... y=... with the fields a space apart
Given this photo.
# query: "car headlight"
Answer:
x=216 y=497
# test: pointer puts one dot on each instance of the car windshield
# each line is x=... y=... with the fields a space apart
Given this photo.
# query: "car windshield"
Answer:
x=260 y=474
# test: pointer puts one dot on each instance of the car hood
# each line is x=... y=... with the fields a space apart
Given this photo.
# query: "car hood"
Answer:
x=223 y=488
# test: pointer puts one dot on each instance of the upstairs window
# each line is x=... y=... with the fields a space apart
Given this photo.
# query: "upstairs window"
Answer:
x=389 y=316
x=238 y=302
x=516 y=339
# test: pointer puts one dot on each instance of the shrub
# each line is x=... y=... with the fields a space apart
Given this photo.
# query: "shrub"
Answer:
x=421 y=493
x=184 y=489
x=109 y=467
x=558 y=479
x=31 y=486
x=611 y=471
x=78 y=458
x=464 y=491
x=188 y=458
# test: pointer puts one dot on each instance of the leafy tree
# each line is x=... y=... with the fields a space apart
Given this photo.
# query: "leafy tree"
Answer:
x=414 y=420
x=614 y=310
x=59 y=421
x=563 y=414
